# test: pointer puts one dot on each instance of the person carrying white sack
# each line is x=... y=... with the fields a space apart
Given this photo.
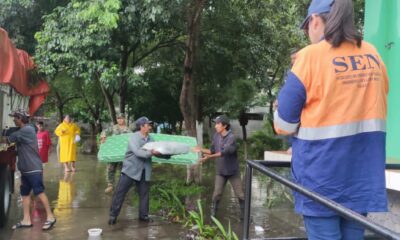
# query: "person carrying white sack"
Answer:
x=136 y=169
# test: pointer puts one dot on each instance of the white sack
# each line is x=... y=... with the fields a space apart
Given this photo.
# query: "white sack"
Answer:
x=77 y=138
x=167 y=148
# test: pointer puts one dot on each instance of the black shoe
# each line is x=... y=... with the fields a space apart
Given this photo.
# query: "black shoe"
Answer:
x=112 y=220
x=145 y=219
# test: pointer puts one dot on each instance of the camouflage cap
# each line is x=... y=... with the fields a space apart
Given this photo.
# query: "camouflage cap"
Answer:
x=121 y=115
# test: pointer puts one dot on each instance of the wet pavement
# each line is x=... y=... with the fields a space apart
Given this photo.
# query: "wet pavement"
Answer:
x=79 y=203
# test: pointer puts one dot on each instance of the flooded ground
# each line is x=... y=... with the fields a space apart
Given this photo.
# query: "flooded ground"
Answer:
x=79 y=203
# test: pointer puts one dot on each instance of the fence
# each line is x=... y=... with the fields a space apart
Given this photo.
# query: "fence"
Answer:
x=264 y=167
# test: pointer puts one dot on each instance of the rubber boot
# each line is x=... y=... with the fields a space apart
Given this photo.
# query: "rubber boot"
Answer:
x=214 y=208
x=241 y=204
x=112 y=220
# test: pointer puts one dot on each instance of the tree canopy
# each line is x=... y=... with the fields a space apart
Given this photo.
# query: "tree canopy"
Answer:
x=104 y=56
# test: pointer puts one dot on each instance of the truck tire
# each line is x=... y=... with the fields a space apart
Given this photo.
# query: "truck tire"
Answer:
x=5 y=193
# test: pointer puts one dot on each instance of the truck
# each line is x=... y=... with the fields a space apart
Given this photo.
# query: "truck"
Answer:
x=21 y=88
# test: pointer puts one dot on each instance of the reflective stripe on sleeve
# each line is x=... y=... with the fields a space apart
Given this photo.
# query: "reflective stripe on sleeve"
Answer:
x=283 y=125
x=343 y=130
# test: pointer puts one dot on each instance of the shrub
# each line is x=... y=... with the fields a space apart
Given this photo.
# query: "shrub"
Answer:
x=262 y=141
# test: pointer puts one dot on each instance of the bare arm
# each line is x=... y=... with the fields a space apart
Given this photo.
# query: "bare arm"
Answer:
x=198 y=149
x=208 y=156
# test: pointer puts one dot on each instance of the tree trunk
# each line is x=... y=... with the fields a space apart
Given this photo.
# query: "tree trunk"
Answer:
x=244 y=120
x=109 y=101
x=60 y=103
x=60 y=113
x=124 y=81
x=187 y=100
x=60 y=106
x=197 y=170
x=180 y=127
x=92 y=141
x=122 y=94
x=210 y=128
x=95 y=111
x=271 y=115
x=244 y=131
x=271 y=98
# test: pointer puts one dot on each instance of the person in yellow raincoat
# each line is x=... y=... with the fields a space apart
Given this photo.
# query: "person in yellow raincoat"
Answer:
x=68 y=134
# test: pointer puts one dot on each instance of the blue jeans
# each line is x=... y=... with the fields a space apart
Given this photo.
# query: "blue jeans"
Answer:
x=332 y=228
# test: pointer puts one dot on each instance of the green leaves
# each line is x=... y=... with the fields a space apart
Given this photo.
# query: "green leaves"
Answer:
x=22 y=18
x=113 y=39
x=226 y=235
x=24 y=3
x=242 y=57
x=196 y=220
x=100 y=14
x=208 y=231
x=170 y=198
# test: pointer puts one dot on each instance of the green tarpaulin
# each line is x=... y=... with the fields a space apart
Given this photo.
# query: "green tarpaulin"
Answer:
x=114 y=149
x=382 y=28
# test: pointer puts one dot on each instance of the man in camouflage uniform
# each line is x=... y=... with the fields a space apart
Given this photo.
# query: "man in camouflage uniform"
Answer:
x=117 y=129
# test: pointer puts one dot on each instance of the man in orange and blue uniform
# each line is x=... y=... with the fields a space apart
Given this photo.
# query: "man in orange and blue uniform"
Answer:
x=334 y=104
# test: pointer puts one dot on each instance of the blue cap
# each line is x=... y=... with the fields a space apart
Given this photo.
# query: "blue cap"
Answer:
x=317 y=7
x=142 y=121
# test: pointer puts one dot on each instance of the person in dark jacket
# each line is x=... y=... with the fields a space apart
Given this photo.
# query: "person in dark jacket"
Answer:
x=30 y=165
x=224 y=150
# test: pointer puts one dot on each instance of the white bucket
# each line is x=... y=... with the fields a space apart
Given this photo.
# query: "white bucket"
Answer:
x=95 y=232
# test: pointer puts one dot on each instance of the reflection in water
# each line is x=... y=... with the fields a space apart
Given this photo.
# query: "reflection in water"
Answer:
x=66 y=193
x=273 y=194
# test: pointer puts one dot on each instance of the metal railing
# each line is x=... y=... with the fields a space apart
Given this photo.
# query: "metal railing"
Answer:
x=263 y=167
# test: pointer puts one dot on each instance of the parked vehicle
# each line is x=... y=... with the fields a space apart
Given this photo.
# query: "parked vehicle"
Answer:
x=20 y=88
